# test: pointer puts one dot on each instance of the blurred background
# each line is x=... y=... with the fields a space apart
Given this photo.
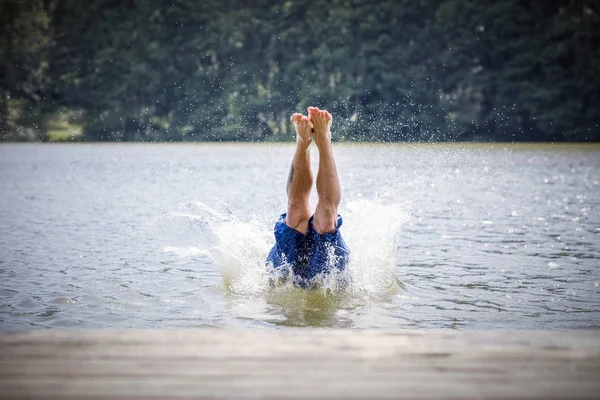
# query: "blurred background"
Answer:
x=234 y=70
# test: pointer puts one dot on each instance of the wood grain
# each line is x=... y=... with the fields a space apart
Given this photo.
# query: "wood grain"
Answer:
x=303 y=363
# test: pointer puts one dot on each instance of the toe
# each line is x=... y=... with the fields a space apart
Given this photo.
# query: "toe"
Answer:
x=312 y=110
x=327 y=114
x=295 y=118
x=305 y=119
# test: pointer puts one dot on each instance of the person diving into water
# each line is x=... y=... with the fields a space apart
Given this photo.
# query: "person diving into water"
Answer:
x=310 y=245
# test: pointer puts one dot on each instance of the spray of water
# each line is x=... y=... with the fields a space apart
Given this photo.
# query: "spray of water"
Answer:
x=239 y=248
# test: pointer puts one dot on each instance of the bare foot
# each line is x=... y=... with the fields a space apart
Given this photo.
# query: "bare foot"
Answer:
x=303 y=127
x=321 y=121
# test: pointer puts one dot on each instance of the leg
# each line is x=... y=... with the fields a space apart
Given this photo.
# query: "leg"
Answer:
x=328 y=184
x=300 y=179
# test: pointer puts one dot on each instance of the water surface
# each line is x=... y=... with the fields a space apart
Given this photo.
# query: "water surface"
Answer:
x=156 y=235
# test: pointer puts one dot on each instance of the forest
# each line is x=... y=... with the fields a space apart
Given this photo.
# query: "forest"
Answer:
x=235 y=70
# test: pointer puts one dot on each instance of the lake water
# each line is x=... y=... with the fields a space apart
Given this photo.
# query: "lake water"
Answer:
x=165 y=235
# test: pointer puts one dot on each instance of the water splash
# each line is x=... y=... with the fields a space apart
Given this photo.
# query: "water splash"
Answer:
x=239 y=248
x=370 y=230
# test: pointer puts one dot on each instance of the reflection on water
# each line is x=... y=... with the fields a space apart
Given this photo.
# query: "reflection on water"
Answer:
x=309 y=307
x=481 y=236
x=287 y=305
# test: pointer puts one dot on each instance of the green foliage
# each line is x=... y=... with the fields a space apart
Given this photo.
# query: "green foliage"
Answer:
x=389 y=70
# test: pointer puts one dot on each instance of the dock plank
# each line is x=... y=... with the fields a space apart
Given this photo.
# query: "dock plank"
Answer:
x=213 y=363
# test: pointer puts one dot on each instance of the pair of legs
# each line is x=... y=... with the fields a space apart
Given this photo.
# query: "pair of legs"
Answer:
x=300 y=180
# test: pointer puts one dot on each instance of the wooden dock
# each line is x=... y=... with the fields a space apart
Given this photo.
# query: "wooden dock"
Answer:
x=303 y=363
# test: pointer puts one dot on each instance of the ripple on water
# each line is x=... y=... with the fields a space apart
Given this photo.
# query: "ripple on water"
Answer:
x=511 y=240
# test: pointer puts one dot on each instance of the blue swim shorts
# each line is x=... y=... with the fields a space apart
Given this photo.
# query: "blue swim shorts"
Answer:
x=306 y=256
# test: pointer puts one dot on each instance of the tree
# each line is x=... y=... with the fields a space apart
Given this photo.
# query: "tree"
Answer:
x=23 y=39
x=389 y=70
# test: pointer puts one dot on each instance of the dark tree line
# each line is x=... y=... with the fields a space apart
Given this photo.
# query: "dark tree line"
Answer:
x=394 y=70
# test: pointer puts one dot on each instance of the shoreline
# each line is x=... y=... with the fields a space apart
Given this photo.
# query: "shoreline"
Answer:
x=590 y=146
